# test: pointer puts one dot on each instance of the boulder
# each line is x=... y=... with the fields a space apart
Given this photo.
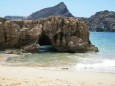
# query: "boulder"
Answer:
x=32 y=48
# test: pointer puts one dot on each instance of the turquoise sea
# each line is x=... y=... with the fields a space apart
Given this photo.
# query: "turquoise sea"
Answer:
x=103 y=61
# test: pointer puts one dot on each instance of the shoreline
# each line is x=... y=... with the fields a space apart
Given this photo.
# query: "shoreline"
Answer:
x=23 y=76
x=38 y=76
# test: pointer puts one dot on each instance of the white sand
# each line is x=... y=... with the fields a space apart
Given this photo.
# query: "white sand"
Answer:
x=28 y=76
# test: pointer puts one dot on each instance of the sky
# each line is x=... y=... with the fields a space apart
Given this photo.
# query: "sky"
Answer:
x=79 y=8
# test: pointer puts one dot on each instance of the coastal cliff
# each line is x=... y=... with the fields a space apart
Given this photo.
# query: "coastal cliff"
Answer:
x=64 y=34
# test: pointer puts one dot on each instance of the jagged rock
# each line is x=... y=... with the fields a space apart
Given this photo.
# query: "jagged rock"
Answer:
x=64 y=34
x=92 y=48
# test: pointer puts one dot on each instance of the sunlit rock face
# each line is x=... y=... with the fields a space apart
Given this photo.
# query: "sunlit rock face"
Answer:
x=64 y=34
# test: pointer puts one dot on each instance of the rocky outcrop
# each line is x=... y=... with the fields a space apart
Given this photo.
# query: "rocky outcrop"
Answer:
x=64 y=34
x=103 y=21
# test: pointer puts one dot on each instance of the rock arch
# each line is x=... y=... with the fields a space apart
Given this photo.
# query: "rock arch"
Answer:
x=64 y=34
x=44 y=40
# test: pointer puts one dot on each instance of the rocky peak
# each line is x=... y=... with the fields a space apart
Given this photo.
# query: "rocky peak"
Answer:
x=58 y=10
x=61 y=5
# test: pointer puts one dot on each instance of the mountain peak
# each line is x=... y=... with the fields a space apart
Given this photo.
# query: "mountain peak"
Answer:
x=61 y=5
x=58 y=10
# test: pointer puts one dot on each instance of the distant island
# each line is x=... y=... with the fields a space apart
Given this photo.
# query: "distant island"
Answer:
x=103 y=21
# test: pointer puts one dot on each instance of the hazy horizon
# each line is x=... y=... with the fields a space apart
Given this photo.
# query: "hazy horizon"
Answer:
x=79 y=8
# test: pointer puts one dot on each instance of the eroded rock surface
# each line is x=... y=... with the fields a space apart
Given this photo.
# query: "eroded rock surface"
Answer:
x=64 y=34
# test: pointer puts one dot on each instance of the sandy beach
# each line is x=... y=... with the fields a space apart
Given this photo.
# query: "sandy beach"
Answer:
x=34 y=76
x=28 y=76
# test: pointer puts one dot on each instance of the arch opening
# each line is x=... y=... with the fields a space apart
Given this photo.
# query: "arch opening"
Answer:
x=45 y=44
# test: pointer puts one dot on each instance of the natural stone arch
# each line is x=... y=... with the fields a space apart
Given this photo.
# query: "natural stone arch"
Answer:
x=45 y=43
x=64 y=34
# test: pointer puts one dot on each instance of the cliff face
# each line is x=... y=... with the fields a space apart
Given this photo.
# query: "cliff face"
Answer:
x=103 y=21
x=64 y=34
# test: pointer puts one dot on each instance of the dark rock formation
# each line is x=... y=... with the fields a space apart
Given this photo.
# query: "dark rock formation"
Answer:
x=103 y=21
x=64 y=34
x=58 y=10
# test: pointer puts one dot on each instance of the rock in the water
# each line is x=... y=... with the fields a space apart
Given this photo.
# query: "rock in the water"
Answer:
x=64 y=34
x=33 y=48
x=10 y=59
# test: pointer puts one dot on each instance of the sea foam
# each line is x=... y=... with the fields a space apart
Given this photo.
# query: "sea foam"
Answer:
x=105 y=65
